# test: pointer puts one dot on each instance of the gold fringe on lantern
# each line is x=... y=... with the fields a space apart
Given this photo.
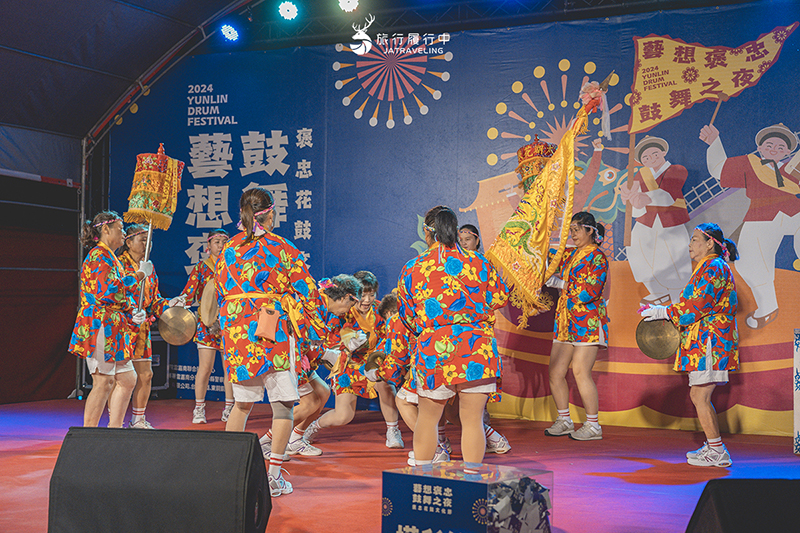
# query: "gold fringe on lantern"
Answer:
x=521 y=250
x=154 y=193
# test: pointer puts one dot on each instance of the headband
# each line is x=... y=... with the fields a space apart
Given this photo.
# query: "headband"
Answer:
x=135 y=234
x=212 y=235
x=267 y=210
x=106 y=222
x=470 y=232
x=725 y=253
x=325 y=283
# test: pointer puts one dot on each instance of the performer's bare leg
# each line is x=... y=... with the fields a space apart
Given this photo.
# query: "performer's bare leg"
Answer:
x=205 y=365
x=706 y=414
x=387 y=401
x=144 y=383
x=473 y=438
x=583 y=358
x=120 y=397
x=560 y=358
x=425 y=433
x=311 y=405
x=238 y=417
x=97 y=398
x=408 y=411
x=342 y=413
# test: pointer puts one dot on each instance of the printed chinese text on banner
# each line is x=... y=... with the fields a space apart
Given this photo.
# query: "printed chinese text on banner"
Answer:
x=670 y=75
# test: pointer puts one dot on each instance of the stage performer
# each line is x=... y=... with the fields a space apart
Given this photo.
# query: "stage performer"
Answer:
x=131 y=254
x=657 y=254
x=709 y=347
x=259 y=268
x=580 y=326
x=337 y=296
x=363 y=331
x=447 y=299
x=207 y=339
x=774 y=211
x=395 y=369
x=105 y=328
x=470 y=239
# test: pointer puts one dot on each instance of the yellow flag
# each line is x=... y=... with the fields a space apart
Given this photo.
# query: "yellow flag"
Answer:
x=671 y=75
x=520 y=251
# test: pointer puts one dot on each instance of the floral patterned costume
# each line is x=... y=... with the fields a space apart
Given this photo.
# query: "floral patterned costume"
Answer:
x=153 y=304
x=706 y=317
x=348 y=377
x=581 y=311
x=448 y=297
x=396 y=364
x=201 y=273
x=265 y=271
x=106 y=301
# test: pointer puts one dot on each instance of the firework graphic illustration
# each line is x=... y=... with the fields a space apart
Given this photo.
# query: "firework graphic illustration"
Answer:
x=480 y=511
x=395 y=78
x=538 y=111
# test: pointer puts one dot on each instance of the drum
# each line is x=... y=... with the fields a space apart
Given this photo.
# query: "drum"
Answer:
x=658 y=339
x=177 y=325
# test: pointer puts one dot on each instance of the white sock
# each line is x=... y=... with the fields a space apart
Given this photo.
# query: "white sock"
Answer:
x=138 y=414
x=564 y=414
x=275 y=464
x=296 y=435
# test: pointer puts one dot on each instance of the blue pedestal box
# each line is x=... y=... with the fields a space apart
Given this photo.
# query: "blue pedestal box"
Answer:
x=499 y=499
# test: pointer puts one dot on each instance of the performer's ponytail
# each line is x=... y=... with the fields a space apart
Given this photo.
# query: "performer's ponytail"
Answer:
x=714 y=232
x=254 y=206
x=442 y=222
x=91 y=231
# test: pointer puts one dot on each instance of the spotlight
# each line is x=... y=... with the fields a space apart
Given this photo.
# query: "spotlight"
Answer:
x=348 y=5
x=229 y=32
x=287 y=10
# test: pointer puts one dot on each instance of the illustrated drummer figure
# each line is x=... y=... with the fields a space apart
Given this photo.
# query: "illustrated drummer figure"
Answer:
x=658 y=256
x=774 y=206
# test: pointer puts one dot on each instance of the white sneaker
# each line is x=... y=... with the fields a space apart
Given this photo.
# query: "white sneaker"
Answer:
x=587 y=432
x=440 y=456
x=278 y=486
x=311 y=432
x=394 y=439
x=710 y=457
x=697 y=452
x=199 y=415
x=226 y=412
x=303 y=448
x=562 y=426
x=266 y=446
x=141 y=424
x=501 y=446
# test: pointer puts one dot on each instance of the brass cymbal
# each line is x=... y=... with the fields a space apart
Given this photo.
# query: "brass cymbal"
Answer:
x=374 y=360
x=177 y=325
x=658 y=339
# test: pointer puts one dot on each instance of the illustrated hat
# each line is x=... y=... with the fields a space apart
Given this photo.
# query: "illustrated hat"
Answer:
x=649 y=142
x=780 y=131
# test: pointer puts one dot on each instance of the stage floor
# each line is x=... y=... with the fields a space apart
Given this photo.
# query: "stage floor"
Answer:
x=634 y=480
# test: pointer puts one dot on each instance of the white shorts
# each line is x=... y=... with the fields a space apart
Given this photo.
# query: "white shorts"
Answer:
x=281 y=386
x=306 y=388
x=409 y=397
x=704 y=377
x=97 y=362
x=445 y=392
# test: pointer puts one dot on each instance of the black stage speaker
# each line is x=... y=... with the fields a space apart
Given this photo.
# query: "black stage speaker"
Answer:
x=139 y=480
x=752 y=505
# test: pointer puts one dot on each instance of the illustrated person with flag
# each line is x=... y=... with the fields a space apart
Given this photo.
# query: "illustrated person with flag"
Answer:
x=657 y=255
x=774 y=211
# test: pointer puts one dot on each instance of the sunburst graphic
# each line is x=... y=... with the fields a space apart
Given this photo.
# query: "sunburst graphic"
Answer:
x=538 y=110
x=386 y=507
x=480 y=511
x=395 y=78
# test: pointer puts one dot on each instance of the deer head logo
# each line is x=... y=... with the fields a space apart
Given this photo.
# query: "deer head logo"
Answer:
x=364 y=43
